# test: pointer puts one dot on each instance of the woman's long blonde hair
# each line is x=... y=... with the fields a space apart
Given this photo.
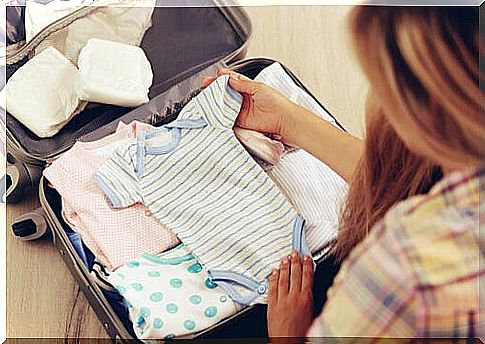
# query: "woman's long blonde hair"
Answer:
x=423 y=68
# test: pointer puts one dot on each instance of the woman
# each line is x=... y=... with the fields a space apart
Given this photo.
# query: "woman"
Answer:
x=411 y=254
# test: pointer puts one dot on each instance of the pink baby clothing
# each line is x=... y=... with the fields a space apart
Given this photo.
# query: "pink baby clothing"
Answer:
x=115 y=236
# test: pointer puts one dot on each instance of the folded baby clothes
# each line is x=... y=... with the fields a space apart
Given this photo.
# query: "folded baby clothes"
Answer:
x=42 y=93
x=113 y=73
x=169 y=295
x=317 y=193
x=115 y=236
x=206 y=188
x=314 y=189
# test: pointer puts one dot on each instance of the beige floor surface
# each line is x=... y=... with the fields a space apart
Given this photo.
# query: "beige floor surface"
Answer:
x=42 y=298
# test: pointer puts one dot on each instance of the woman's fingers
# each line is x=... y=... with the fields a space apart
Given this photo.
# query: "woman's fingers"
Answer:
x=224 y=71
x=237 y=81
x=284 y=278
x=293 y=276
x=207 y=80
x=296 y=271
x=273 y=287
x=243 y=84
x=307 y=274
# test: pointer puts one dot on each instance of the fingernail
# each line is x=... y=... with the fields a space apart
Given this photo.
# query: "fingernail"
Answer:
x=294 y=254
x=275 y=272
x=234 y=76
x=306 y=259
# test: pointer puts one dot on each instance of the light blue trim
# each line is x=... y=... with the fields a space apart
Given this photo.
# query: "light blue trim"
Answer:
x=143 y=147
x=188 y=123
x=235 y=296
x=154 y=132
x=168 y=261
x=112 y=197
x=176 y=128
x=228 y=279
x=299 y=241
x=172 y=145
x=244 y=281
x=140 y=154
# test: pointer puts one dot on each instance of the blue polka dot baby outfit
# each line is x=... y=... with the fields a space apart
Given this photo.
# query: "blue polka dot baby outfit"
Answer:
x=207 y=189
x=169 y=295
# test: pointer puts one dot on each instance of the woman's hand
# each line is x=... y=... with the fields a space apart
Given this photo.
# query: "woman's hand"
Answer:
x=268 y=111
x=263 y=108
x=290 y=299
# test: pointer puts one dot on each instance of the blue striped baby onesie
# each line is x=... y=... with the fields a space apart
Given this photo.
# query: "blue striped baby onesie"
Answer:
x=206 y=188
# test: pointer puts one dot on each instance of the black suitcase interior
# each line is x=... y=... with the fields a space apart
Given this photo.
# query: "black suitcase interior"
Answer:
x=180 y=42
x=201 y=40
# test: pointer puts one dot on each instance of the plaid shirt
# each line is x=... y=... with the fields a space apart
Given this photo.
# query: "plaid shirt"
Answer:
x=417 y=273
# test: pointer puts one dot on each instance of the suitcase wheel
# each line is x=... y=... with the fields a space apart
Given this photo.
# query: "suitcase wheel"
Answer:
x=30 y=226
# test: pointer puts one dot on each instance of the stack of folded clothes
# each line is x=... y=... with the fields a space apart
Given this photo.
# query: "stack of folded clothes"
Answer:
x=186 y=221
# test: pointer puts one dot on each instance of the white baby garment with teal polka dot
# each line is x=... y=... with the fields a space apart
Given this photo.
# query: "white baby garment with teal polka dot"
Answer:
x=169 y=295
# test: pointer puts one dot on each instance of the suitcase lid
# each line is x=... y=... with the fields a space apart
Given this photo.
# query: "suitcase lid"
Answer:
x=181 y=42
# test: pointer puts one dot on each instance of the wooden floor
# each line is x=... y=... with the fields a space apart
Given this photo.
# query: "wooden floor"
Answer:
x=42 y=298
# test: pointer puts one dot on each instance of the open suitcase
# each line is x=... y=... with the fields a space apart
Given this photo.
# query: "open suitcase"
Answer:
x=180 y=42
x=208 y=46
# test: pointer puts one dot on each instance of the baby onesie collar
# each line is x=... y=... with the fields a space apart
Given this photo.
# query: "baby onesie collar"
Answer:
x=218 y=105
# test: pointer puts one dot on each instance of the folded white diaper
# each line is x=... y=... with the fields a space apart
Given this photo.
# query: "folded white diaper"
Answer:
x=114 y=73
x=42 y=93
x=38 y=15
x=124 y=21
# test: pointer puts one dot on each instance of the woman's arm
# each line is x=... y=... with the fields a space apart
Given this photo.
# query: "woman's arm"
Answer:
x=266 y=110
x=338 y=149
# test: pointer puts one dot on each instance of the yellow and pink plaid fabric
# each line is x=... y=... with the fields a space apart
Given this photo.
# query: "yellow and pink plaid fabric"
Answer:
x=417 y=273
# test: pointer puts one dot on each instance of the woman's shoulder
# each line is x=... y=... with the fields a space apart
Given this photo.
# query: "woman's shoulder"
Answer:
x=437 y=233
x=451 y=205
